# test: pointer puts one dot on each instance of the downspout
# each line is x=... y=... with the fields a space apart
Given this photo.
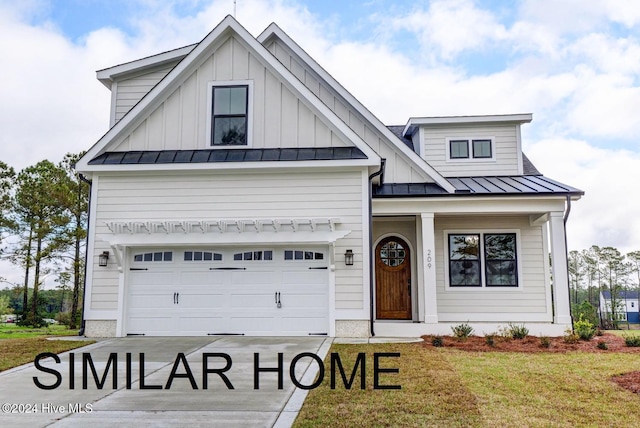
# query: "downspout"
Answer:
x=380 y=173
x=86 y=254
x=566 y=254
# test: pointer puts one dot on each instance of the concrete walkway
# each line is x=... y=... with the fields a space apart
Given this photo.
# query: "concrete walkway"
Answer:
x=163 y=400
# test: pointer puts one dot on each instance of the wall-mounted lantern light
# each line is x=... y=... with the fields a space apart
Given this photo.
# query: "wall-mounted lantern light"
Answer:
x=103 y=259
x=348 y=258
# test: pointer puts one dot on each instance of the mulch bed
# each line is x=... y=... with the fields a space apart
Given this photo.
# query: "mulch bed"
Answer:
x=531 y=344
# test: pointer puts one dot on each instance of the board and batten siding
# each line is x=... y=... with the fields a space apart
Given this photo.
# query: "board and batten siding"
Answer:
x=277 y=118
x=203 y=196
x=531 y=295
x=131 y=89
x=397 y=168
x=435 y=146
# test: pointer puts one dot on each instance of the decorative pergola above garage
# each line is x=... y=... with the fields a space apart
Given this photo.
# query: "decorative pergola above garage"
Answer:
x=224 y=231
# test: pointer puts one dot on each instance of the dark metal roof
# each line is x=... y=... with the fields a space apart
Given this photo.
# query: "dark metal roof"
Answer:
x=227 y=155
x=397 y=131
x=622 y=294
x=512 y=185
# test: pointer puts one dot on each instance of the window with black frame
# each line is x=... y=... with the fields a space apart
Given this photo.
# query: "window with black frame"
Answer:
x=500 y=260
x=464 y=260
x=229 y=115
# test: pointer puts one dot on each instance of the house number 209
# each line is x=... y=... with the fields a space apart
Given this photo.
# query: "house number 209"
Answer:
x=429 y=259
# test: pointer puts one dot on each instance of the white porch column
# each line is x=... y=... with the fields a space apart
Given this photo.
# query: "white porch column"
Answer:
x=429 y=269
x=559 y=269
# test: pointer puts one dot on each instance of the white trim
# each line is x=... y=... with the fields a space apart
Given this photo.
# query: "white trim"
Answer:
x=112 y=110
x=107 y=76
x=415 y=122
x=519 y=149
x=536 y=328
x=430 y=285
x=215 y=83
x=366 y=222
x=483 y=287
x=91 y=243
x=205 y=166
x=470 y=158
x=331 y=295
x=274 y=31
x=547 y=270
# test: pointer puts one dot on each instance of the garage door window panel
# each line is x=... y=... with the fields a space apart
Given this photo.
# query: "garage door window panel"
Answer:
x=156 y=256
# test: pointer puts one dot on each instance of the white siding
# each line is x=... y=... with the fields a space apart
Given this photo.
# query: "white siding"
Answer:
x=131 y=90
x=201 y=196
x=529 y=298
x=278 y=118
x=434 y=149
x=397 y=168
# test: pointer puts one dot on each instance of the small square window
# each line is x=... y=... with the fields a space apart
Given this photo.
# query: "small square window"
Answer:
x=148 y=257
x=208 y=256
x=459 y=149
x=188 y=256
x=288 y=255
x=481 y=149
x=197 y=256
x=168 y=256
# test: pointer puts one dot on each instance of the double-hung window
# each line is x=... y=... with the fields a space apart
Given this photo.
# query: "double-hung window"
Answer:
x=470 y=149
x=482 y=260
x=229 y=115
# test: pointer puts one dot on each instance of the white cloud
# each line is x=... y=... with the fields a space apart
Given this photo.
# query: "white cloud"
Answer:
x=606 y=215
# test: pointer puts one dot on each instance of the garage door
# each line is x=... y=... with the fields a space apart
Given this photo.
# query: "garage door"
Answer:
x=247 y=291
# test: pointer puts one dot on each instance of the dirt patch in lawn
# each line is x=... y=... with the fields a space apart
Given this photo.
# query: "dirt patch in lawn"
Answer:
x=534 y=344
x=630 y=381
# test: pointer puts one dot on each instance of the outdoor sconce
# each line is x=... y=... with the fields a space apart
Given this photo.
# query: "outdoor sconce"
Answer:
x=103 y=259
x=348 y=258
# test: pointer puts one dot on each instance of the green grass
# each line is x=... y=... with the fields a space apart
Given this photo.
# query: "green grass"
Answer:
x=624 y=332
x=20 y=345
x=14 y=331
x=453 y=388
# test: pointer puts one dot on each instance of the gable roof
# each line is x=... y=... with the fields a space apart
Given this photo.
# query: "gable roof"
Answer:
x=274 y=31
x=228 y=27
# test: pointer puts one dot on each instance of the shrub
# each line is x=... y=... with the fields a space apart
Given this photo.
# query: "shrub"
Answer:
x=632 y=341
x=599 y=332
x=545 y=342
x=505 y=334
x=437 y=341
x=490 y=339
x=462 y=331
x=584 y=329
x=603 y=345
x=570 y=337
x=518 y=331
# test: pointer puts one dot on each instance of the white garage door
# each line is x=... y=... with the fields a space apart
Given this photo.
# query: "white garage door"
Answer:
x=255 y=291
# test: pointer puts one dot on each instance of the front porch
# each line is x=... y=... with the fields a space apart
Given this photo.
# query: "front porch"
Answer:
x=425 y=284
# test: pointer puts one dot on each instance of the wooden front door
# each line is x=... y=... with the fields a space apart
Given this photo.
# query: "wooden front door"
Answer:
x=393 y=280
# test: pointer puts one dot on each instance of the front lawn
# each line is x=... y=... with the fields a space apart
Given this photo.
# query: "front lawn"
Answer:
x=20 y=345
x=457 y=388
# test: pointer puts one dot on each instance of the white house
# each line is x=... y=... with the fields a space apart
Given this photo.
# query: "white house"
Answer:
x=242 y=190
x=626 y=304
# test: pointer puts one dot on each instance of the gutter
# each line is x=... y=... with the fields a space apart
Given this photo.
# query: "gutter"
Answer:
x=566 y=254
x=380 y=173
x=86 y=254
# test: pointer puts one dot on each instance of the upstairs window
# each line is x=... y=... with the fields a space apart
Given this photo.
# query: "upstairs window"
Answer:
x=470 y=149
x=229 y=115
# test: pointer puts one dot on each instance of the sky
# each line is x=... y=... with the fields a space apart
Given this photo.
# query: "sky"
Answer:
x=573 y=64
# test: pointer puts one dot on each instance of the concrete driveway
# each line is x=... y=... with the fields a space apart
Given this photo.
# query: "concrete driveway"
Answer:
x=163 y=399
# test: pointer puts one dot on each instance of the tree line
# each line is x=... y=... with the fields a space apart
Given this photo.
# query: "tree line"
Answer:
x=599 y=269
x=43 y=230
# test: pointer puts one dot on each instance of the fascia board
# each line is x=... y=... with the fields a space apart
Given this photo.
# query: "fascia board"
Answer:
x=274 y=30
x=229 y=24
x=227 y=166
x=107 y=75
x=451 y=120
